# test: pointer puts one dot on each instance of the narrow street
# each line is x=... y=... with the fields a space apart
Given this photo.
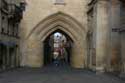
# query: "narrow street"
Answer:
x=55 y=75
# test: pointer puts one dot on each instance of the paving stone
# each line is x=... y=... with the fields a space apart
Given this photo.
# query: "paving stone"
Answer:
x=52 y=74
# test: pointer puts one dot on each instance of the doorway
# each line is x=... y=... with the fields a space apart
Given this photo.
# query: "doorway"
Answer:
x=57 y=46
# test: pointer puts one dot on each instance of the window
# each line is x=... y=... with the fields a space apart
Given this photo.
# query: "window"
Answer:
x=2 y=30
x=4 y=24
x=59 y=2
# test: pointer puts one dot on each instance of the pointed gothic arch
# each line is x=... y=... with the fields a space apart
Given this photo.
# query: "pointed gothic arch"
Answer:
x=63 y=22
x=49 y=49
x=58 y=19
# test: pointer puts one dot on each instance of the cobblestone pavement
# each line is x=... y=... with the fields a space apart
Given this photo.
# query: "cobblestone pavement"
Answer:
x=55 y=75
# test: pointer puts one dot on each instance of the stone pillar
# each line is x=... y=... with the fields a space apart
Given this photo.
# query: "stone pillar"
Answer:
x=78 y=55
x=0 y=23
x=17 y=56
x=102 y=35
x=8 y=58
x=0 y=17
x=4 y=57
x=12 y=57
x=122 y=75
x=115 y=36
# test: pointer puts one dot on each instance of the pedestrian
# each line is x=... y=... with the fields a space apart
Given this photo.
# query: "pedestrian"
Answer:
x=55 y=57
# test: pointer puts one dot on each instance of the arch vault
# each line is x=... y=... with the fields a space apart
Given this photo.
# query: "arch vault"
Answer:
x=34 y=52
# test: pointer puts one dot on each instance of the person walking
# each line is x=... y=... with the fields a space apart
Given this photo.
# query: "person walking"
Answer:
x=56 y=58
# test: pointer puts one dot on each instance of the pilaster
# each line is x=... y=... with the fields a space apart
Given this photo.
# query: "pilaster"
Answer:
x=102 y=35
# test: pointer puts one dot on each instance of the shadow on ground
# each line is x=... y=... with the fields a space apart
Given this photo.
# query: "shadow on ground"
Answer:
x=53 y=74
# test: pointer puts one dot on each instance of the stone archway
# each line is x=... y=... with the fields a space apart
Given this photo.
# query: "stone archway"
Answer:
x=34 y=52
x=49 y=48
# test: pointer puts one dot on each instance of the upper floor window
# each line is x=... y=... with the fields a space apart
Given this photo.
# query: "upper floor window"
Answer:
x=4 y=5
x=59 y=2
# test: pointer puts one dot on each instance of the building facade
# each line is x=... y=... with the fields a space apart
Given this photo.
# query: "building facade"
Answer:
x=106 y=35
x=10 y=17
x=48 y=16
x=95 y=27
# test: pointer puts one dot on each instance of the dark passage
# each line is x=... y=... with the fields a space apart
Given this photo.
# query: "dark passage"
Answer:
x=57 y=48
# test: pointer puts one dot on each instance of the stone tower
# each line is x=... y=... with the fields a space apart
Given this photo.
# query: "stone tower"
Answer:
x=42 y=17
x=96 y=28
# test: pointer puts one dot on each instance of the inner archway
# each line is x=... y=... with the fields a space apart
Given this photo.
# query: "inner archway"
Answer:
x=57 y=48
x=67 y=25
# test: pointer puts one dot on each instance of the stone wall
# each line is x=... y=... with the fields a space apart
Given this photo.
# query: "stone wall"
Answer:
x=115 y=36
x=36 y=18
x=102 y=25
x=122 y=20
x=36 y=13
